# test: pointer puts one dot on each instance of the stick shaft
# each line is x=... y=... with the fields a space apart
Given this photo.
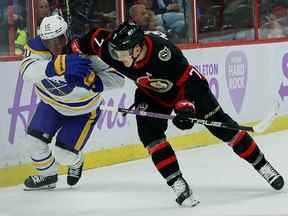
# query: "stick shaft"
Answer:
x=165 y=116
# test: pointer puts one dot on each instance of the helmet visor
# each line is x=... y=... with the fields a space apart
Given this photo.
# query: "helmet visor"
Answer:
x=56 y=45
x=118 y=55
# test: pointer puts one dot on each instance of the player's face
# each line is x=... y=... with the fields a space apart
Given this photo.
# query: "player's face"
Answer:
x=124 y=56
x=56 y=45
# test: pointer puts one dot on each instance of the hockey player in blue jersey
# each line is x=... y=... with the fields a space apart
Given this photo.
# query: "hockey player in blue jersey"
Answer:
x=69 y=87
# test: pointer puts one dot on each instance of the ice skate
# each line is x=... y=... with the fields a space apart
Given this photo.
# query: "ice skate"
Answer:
x=75 y=172
x=184 y=194
x=271 y=176
x=39 y=182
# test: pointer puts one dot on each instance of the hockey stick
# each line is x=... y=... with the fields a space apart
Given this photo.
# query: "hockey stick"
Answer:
x=259 y=128
x=269 y=118
x=69 y=18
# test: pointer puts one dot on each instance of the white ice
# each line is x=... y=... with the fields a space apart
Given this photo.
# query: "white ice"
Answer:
x=225 y=185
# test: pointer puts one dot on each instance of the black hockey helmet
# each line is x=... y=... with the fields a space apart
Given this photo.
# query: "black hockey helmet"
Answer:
x=127 y=36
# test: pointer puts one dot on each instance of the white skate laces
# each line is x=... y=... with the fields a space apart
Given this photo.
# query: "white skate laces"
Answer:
x=184 y=194
x=37 y=179
x=75 y=172
x=40 y=182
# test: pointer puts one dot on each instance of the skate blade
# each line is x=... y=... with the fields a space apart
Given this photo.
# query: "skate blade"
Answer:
x=190 y=202
x=46 y=187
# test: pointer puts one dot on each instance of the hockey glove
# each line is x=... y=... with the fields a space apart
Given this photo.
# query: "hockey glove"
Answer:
x=68 y=65
x=90 y=82
x=184 y=111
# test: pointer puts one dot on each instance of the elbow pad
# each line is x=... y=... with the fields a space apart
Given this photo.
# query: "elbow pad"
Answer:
x=92 y=42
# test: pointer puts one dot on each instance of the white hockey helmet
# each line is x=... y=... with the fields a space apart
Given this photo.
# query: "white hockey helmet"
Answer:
x=53 y=27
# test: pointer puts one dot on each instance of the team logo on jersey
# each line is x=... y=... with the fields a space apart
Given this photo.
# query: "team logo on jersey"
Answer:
x=165 y=54
x=157 y=85
x=142 y=106
x=57 y=87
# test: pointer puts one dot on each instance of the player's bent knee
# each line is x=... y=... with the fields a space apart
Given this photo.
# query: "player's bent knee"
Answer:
x=46 y=138
x=228 y=136
x=37 y=148
x=65 y=156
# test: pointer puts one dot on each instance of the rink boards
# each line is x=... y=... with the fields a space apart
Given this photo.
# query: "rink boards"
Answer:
x=245 y=79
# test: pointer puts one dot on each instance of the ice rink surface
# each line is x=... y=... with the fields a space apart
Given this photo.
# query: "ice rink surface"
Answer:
x=225 y=185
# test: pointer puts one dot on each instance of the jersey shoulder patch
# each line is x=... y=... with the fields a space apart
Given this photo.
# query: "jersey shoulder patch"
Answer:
x=164 y=54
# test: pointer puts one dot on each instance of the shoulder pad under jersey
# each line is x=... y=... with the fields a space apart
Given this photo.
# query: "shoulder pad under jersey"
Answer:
x=35 y=45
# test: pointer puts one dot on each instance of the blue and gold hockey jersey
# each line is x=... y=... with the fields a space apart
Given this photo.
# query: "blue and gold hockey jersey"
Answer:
x=65 y=98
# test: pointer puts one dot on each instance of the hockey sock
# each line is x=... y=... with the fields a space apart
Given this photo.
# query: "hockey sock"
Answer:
x=164 y=159
x=42 y=157
x=46 y=164
x=245 y=147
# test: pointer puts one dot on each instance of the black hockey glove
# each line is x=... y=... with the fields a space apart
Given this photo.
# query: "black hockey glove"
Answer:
x=184 y=110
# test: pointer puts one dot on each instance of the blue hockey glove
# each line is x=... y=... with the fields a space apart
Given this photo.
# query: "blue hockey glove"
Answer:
x=81 y=81
x=91 y=81
x=184 y=110
x=69 y=65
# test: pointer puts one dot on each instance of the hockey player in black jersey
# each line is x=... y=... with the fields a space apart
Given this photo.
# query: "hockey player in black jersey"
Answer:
x=167 y=82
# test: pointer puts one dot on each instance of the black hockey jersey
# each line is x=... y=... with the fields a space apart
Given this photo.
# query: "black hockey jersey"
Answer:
x=161 y=74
